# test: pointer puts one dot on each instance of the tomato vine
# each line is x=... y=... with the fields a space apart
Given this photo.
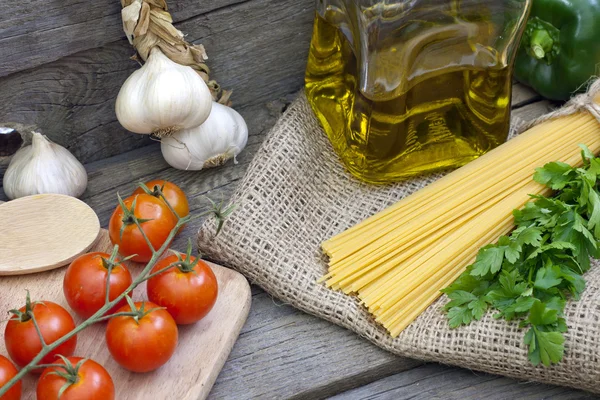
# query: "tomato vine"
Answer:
x=218 y=211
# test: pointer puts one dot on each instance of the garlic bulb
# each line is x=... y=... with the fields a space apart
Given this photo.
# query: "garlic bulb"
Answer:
x=222 y=136
x=44 y=167
x=162 y=97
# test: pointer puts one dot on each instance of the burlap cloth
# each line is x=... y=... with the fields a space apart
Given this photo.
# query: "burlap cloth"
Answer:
x=296 y=194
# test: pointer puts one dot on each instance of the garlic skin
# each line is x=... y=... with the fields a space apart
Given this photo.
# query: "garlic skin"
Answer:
x=163 y=97
x=44 y=167
x=221 y=137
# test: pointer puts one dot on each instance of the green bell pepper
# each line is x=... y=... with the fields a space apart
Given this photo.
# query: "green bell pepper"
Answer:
x=560 y=48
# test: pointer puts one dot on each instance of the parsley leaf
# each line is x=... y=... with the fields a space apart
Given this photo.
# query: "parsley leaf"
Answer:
x=586 y=153
x=489 y=259
x=544 y=347
x=478 y=307
x=554 y=175
x=542 y=315
x=530 y=235
x=548 y=277
x=459 y=316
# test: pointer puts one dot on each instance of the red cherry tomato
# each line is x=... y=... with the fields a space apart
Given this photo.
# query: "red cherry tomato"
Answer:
x=188 y=291
x=160 y=221
x=7 y=372
x=143 y=345
x=84 y=284
x=172 y=193
x=92 y=382
x=22 y=340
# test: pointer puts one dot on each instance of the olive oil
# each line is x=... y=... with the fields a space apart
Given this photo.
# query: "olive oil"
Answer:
x=434 y=97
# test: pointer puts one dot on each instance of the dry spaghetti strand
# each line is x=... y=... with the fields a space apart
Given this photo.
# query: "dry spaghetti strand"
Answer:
x=398 y=260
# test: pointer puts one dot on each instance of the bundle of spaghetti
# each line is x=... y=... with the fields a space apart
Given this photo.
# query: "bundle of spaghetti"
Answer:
x=399 y=259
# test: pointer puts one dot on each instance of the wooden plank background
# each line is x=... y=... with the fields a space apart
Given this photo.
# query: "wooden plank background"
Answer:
x=63 y=62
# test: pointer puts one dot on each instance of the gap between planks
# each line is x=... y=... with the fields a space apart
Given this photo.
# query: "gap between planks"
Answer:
x=435 y=381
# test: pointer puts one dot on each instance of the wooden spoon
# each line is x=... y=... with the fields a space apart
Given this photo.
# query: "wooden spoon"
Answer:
x=43 y=232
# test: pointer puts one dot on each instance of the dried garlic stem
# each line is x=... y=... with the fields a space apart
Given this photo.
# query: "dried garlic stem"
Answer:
x=148 y=24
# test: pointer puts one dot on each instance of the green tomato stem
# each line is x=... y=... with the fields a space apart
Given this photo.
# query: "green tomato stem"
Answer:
x=100 y=314
x=160 y=271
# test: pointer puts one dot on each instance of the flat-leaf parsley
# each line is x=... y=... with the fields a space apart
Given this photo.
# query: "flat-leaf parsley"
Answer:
x=529 y=274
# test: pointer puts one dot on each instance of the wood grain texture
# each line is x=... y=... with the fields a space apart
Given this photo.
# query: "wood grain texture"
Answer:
x=35 y=32
x=43 y=232
x=533 y=110
x=283 y=353
x=434 y=381
x=257 y=48
x=201 y=352
x=523 y=95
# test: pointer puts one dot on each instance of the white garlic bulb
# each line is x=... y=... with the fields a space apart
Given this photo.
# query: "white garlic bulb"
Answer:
x=162 y=97
x=44 y=167
x=221 y=137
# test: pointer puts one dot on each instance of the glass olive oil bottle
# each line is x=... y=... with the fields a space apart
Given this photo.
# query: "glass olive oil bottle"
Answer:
x=405 y=87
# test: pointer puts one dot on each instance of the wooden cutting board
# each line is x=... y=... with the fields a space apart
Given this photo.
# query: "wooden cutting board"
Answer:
x=202 y=350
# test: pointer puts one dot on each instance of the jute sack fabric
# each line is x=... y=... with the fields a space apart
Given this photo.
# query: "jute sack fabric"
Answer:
x=296 y=194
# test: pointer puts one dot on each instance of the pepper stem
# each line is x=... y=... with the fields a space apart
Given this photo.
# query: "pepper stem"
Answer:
x=541 y=43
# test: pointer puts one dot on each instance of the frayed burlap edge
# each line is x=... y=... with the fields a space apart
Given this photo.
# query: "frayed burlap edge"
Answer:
x=296 y=194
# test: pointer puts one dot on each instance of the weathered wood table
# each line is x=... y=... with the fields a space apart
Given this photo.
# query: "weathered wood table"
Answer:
x=62 y=65
x=282 y=352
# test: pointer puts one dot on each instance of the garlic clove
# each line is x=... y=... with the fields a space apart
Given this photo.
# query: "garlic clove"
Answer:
x=44 y=167
x=163 y=97
x=221 y=137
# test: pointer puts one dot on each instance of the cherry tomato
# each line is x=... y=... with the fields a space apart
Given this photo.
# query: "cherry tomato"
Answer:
x=22 y=340
x=143 y=345
x=84 y=284
x=7 y=372
x=188 y=290
x=92 y=381
x=160 y=221
x=172 y=193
